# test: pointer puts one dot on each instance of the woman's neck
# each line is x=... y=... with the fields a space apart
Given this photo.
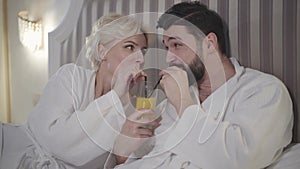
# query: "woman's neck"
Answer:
x=101 y=83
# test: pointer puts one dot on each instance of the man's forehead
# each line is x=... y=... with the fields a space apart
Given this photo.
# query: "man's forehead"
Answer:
x=179 y=32
x=175 y=30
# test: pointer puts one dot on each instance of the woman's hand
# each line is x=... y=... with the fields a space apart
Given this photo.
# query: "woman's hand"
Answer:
x=175 y=84
x=122 y=90
x=135 y=131
x=125 y=78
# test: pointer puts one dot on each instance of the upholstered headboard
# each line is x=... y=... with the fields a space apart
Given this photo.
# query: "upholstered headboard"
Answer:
x=265 y=35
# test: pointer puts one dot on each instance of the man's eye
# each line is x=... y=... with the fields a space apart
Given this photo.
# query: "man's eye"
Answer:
x=130 y=47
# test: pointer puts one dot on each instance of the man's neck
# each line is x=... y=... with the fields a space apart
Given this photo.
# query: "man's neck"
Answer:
x=214 y=77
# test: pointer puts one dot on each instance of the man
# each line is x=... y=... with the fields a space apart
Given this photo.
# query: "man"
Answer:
x=242 y=119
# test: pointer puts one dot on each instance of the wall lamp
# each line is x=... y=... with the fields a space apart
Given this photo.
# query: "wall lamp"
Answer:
x=30 y=32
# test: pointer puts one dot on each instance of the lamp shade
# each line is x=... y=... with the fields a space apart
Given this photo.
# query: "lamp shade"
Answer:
x=30 y=32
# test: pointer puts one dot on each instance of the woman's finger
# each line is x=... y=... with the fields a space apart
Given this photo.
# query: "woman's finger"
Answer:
x=144 y=131
x=142 y=116
x=153 y=124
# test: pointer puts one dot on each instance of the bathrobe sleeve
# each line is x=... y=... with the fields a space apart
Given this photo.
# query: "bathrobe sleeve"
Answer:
x=251 y=136
x=67 y=132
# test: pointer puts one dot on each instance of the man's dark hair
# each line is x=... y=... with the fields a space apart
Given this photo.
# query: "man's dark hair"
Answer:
x=201 y=17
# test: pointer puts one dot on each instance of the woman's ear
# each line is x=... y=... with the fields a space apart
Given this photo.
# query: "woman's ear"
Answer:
x=101 y=52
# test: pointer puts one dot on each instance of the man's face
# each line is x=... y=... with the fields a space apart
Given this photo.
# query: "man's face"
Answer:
x=181 y=47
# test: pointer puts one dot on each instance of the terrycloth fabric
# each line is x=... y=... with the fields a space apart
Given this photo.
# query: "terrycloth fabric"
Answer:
x=244 y=124
x=67 y=128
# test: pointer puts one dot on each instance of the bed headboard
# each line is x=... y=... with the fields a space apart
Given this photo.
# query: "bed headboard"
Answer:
x=265 y=35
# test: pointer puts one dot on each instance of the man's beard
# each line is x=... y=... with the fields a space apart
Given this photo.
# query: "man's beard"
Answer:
x=195 y=70
x=197 y=67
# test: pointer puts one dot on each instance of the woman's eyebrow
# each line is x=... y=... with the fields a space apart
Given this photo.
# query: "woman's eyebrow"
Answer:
x=174 y=38
x=131 y=42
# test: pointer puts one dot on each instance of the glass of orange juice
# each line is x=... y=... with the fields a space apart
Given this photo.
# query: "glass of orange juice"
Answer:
x=146 y=97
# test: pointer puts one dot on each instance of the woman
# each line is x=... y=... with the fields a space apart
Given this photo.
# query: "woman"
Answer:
x=80 y=112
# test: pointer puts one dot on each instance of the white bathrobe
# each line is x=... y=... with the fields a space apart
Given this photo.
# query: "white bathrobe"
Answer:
x=244 y=124
x=67 y=128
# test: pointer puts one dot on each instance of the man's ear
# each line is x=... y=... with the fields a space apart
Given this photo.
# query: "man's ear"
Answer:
x=209 y=46
x=212 y=41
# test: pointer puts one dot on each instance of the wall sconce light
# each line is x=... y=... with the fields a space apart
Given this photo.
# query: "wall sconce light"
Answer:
x=30 y=32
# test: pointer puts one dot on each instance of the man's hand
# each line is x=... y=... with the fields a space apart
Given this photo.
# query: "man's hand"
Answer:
x=175 y=84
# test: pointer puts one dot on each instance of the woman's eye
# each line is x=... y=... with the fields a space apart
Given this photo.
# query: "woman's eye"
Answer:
x=130 y=47
x=144 y=50
x=176 y=45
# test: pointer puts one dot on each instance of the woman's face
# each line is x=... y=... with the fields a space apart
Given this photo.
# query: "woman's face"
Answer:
x=128 y=52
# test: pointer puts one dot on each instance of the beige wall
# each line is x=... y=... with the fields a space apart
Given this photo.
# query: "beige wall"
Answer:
x=4 y=73
x=29 y=70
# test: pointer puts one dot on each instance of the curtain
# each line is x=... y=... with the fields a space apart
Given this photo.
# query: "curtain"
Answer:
x=4 y=66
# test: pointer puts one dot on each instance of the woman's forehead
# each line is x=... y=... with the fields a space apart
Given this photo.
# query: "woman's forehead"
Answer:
x=139 y=39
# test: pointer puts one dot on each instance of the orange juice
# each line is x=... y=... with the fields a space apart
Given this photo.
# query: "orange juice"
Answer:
x=145 y=103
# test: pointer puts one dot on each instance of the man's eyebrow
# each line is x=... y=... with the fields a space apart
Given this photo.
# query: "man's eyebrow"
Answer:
x=172 y=38
x=129 y=41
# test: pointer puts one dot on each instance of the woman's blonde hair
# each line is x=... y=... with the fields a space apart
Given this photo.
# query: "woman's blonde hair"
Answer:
x=107 y=29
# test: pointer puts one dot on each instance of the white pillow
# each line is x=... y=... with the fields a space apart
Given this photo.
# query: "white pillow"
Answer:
x=290 y=159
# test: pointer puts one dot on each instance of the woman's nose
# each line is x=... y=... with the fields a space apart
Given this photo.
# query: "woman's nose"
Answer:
x=140 y=57
x=170 y=57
